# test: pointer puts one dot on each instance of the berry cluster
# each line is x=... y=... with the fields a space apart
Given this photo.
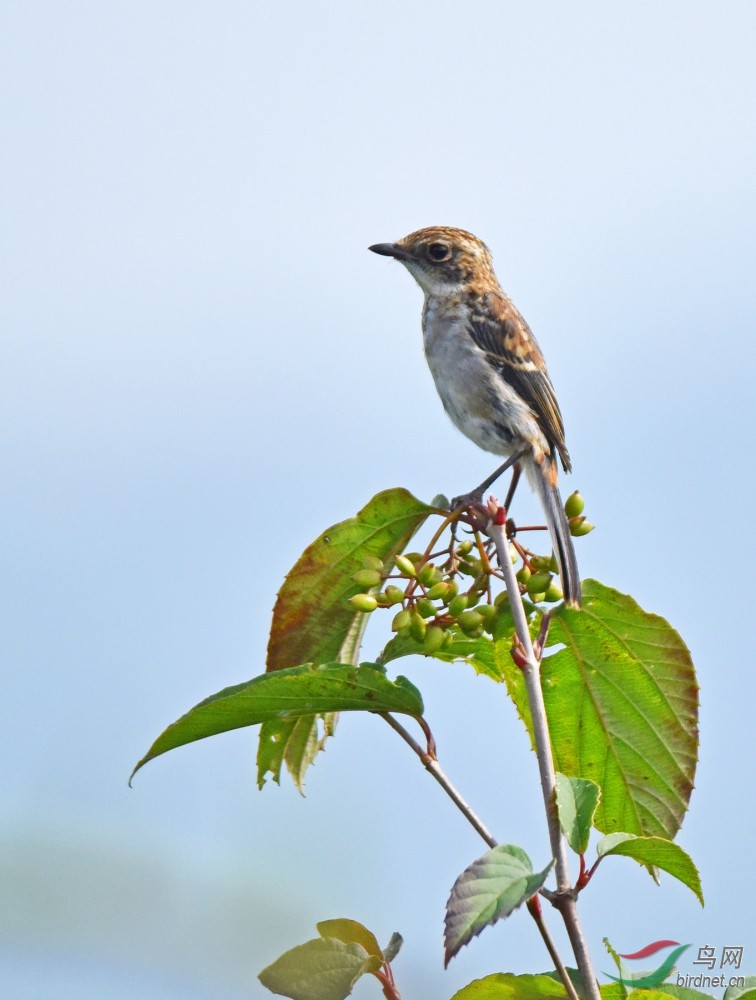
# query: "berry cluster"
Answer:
x=440 y=593
x=433 y=595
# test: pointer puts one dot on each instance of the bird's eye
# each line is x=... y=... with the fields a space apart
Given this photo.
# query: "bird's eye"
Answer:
x=439 y=252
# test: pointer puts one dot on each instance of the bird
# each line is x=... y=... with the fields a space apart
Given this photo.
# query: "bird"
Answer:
x=489 y=371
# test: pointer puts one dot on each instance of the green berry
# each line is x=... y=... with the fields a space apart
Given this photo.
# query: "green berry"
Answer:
x=486 y=611
x=393 y=594
x=541 y=563
x=367 y=577
x=417 y=627
x=363 y=602
x=574 y=504
x=553 y=594
x=402 y=620
x=539 y=582
x=470 y=621
x=373 y=562
x=457 y=605
x=426 y=608
x=523 y=574
x=427 y=575
x=434 y=640
x=405 y=566
x=579 y=526
x=439 y=591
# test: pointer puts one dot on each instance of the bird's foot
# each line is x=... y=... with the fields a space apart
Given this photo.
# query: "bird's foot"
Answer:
x=475 y=513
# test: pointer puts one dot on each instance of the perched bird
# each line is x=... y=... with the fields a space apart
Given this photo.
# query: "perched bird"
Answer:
x=489 y=370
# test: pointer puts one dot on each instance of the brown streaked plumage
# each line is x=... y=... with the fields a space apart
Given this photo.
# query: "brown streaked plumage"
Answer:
x=488 y=367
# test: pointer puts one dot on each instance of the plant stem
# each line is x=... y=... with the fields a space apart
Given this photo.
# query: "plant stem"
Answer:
x=532 y=675
x=434 y=768
x=534 y=909
x=564 y=898
x=568 y=908
x=390 y=991
x=432 y=765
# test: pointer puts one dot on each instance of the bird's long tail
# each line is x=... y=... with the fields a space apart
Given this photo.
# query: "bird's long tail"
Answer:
x=542 y=478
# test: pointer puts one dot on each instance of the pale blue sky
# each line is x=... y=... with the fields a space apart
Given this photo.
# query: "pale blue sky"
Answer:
x=203 y=367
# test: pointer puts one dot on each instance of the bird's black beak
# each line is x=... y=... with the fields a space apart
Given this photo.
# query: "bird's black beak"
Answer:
x=389 y=250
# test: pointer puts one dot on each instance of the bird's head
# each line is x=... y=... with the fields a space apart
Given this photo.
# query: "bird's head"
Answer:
x=442 y=260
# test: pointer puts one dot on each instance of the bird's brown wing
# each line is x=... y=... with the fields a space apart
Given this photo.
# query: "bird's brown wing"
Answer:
x=512 y=349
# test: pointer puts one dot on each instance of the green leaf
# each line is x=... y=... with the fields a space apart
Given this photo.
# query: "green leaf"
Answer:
x=576 y=980
x=321 y=969
x=304 y=743
x=273 y=741
x=654 y=994
x=489 y=890
x=479 y=653
x=577 y=799
x=312 y=619
x=289 y=695
x=351 y=931
x=612 y=991
x=745 y=992
x=393 y=947
x=665 y=990
x=622 y=704
x=295 y=741
x=654 y=851
x=507 y=986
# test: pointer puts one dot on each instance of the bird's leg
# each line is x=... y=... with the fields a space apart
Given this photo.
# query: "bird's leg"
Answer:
x=476 y=496
x=516 y=473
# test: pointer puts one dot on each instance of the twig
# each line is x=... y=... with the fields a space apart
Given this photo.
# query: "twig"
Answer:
x=386 y=980
x=586 y=874
x=534 y=909
x=434 y=768
x=431 y=764
x=564 y=898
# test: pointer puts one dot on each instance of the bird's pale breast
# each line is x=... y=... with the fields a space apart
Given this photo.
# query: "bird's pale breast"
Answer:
x=475 y=395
